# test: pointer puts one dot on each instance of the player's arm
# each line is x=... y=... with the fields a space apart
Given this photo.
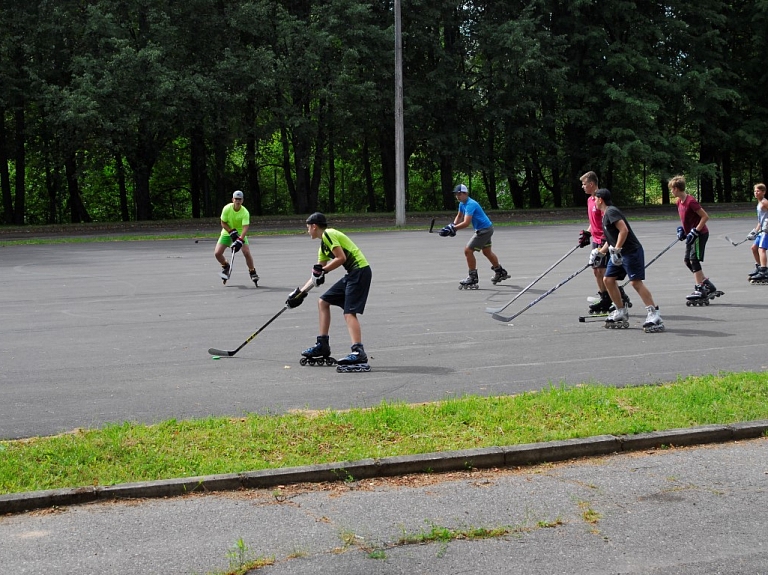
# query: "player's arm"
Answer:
x=623 y=233
x=701 y=212
x=460 y=223
x=339 y=258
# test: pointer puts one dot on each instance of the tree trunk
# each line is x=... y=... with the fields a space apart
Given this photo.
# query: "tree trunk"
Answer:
x=21 y=166
x=388 y=160
x=251 y=168
x=446 y=182
x=77 y=210
x=198 y=177
x=5 y=175
x=368 y=175
x=122 y=188
x=706 y=157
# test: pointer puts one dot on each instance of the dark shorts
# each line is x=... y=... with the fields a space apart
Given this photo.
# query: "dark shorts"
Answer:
x=695 y=251
x=481 y=239
x=351 y=291
x=633 y=265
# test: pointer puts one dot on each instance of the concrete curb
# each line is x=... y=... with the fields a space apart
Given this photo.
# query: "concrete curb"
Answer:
x=482 y=458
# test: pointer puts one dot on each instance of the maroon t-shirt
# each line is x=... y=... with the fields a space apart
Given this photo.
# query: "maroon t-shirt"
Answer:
x=687 y=209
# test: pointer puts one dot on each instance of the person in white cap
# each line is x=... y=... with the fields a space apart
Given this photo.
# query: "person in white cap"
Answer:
x=235 y=221
x=472 y=214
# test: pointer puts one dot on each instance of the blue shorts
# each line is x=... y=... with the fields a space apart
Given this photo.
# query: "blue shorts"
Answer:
x=633 y=265
x=351 y=291
x=761 y=241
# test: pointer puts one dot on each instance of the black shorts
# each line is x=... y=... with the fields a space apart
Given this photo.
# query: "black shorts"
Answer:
x=351 y=291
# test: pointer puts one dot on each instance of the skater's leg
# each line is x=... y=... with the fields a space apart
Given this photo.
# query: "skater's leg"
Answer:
x=247 y=255
x=599 y=274
x=218 y=253
x=490 y=256
x=324 y=316
x=643 y=292
x=612 y=287
x=353 y=326
x=756 y=252
x=469 y=253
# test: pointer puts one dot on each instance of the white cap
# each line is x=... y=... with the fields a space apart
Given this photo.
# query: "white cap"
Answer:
x=238 y=194
x=460 y=188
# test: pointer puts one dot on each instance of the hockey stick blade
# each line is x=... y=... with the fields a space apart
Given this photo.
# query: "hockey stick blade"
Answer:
x=493 y=310
x=221 y=352
x=501 y=318
x=736 y=243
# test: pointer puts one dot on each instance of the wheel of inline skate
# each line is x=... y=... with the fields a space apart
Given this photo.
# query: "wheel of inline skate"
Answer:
x=706 y=301
x=303 y=361
x=688 y=303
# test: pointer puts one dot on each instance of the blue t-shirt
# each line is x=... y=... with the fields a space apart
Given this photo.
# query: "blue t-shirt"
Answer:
x=471 y=208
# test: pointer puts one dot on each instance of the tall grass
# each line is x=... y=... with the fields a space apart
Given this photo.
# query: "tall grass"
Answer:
x=130 y=452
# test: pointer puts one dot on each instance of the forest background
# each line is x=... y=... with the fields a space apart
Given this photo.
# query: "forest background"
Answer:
x=140 y=110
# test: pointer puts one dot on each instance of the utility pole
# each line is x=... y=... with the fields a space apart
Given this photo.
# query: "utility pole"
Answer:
x=399 y=137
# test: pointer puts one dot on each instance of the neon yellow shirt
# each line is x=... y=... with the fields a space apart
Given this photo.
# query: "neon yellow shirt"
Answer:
x=234 y=219
x=332 y=238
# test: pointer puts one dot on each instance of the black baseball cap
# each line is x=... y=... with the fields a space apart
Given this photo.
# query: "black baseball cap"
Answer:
x=605 y=194
x=318 y=219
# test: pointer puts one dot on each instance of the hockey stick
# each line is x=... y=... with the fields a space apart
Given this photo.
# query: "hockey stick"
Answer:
x=661 y=253
x=432 y=225
x=497 y=317
x=592 y=299
x=225 y=353
x=226 y=276
x=736 y=243
x=530 y=285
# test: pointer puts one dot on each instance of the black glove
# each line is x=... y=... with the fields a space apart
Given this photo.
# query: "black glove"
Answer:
x=584 y=238
x=295 y=298
x=691 y=237
x=237 y=245
x=234 y=234
x=680 y=233
x=318 y=275
x=449 y=230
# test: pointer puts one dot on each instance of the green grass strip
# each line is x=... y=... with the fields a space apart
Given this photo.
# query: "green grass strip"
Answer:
x=135 y=452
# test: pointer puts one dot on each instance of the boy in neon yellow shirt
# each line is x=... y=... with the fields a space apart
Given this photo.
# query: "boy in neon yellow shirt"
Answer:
x=235 y=221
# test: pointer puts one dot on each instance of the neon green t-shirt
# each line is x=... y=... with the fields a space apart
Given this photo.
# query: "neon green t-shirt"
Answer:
x=332 y=238
x=234 y=219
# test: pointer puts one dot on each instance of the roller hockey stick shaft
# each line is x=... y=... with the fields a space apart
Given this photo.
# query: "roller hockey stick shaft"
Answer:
x=432 y=225
x=530 y=285
x=661 y=253
x=226 y=353
x=541 y=297
x=226 y=276
x=736 y=243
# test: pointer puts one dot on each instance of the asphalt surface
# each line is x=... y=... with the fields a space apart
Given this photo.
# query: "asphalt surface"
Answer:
x=112 y=332
x=98 y=333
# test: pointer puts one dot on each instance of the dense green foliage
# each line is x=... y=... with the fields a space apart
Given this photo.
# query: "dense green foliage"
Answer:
x=145 y=109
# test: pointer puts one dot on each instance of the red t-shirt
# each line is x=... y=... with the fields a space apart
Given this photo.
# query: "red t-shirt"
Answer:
x=687 y=209
x=595 y=221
